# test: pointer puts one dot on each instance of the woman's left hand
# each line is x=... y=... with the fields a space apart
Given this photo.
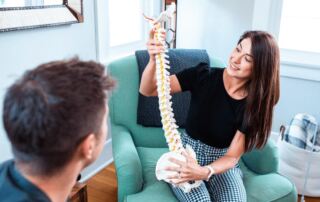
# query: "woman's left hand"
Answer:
x=189 y=170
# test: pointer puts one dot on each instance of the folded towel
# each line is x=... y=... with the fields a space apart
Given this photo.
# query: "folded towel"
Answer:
x=148 y=108
x=303 y=132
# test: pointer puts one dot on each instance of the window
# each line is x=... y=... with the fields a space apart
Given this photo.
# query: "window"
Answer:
x=296 y=25
x=300 y=25
x=125 y=21
x=299 y=33
x=121 y=28
x=127 y=29
x=126 y=26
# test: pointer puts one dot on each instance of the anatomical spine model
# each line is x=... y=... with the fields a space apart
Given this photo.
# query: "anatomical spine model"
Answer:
x=169 y=126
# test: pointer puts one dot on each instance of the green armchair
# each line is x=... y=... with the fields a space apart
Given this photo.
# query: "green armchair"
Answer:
x=136 y=150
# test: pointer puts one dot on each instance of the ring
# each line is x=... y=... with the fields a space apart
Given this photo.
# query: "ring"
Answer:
x=179 y=176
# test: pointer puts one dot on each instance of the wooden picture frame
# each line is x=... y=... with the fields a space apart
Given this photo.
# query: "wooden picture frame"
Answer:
x=31 y=17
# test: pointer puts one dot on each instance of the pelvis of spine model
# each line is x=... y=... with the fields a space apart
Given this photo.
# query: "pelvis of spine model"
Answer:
x=169 y=126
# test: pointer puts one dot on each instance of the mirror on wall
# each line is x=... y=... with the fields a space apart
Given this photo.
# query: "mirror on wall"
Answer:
x=171 y=27
x=30 y=14
x=28 y=3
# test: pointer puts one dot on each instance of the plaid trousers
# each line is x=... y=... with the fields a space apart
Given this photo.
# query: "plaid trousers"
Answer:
x=224 y=187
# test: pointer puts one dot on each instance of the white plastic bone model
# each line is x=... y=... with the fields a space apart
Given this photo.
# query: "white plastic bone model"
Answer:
x=169 y=126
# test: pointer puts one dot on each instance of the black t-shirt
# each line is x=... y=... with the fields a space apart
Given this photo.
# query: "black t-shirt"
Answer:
x=15 y=188
x=214 y=116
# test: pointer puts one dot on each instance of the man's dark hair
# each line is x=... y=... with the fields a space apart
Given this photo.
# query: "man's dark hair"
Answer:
x=52 y=108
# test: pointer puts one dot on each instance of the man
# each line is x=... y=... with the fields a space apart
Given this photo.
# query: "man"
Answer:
x=55 y=118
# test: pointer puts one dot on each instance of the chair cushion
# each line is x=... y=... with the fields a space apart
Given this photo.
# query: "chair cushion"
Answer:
x=148 y=159
x=158 y=192
x=267 y=187
x=153 y=190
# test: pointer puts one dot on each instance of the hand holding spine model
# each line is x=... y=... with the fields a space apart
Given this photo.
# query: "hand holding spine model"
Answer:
x=169 y=126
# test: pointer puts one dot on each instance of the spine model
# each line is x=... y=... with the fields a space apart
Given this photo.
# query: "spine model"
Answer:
x=169 y=125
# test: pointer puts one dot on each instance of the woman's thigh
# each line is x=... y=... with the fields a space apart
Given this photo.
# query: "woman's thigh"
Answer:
x=200 y=194
x=227 y=186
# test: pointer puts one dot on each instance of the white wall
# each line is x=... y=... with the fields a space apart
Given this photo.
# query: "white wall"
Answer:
x=215 y=25
x=297 y=96
x=22 y=50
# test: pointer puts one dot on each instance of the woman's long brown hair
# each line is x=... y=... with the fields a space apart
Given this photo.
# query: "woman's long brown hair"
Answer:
x=263 y=88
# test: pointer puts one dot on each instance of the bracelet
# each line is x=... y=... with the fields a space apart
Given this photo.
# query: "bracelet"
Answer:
x=212 y=171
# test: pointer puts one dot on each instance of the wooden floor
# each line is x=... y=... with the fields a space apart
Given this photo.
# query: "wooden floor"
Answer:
x=309 y=199
x=103 y=187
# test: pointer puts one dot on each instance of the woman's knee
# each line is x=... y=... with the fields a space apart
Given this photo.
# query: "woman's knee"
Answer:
x=228 y=187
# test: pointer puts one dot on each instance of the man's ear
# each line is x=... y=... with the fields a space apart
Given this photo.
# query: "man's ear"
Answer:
x=87 y=147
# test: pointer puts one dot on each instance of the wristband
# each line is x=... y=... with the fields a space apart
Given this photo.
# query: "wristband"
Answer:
x=212 y=171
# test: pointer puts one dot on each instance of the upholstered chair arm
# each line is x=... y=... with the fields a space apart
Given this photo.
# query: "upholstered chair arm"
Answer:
x=263 y=161
x=127 y=162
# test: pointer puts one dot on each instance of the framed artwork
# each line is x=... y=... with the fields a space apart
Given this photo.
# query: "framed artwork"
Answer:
x=30 y=14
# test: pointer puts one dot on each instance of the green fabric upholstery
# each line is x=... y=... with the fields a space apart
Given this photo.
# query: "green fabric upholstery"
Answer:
x=152 y=187
x=124 y=101
x=127 y=162
x=136 y=149
x=267 y=187
x=256 y=159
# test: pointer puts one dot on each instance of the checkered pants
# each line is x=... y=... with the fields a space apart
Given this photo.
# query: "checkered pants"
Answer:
x=225 y=187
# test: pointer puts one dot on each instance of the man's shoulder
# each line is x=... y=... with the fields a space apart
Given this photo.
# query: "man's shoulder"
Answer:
x=4 y=167
x=6 y=182
x=14 y=187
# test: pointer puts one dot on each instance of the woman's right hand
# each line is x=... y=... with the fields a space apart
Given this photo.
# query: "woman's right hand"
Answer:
x=154 y=47
x=148 y=85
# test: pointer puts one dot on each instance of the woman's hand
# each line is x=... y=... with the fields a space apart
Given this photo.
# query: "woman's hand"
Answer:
x=189 y=170
x=153 y=46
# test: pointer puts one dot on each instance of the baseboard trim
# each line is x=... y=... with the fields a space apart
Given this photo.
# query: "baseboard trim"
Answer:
x=103 y=161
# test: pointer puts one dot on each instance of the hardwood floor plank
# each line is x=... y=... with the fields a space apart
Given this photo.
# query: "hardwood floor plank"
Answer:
x=103 y=186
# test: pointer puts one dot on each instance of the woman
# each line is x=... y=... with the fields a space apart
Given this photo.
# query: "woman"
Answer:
x=230 y=113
